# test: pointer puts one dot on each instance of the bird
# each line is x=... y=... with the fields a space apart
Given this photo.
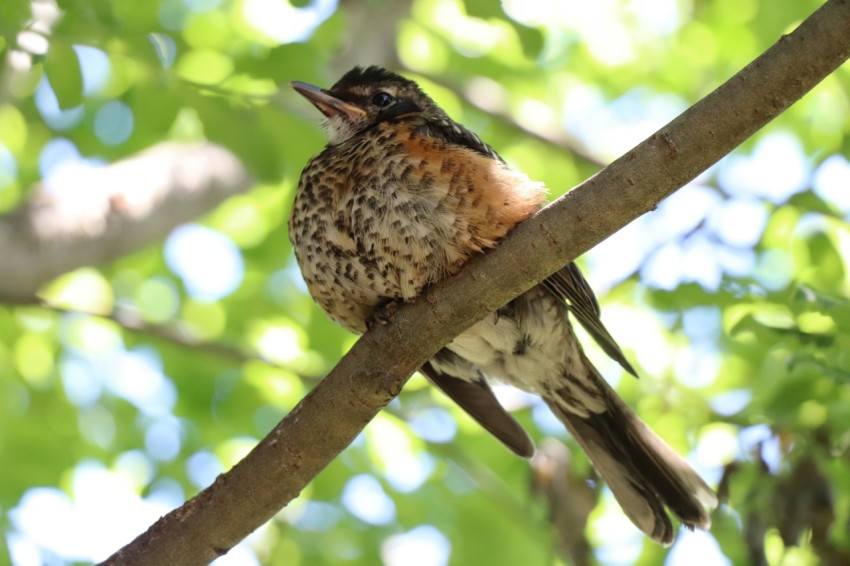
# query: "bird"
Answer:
x=402 y=197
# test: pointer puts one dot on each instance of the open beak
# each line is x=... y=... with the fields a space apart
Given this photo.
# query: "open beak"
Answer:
x=325 y=102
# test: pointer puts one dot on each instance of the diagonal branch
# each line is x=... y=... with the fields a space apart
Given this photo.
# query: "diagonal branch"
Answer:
x=98 y=215
x=378 y=365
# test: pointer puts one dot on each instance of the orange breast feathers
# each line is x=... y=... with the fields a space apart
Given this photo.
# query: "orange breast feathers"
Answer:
x=487 y=196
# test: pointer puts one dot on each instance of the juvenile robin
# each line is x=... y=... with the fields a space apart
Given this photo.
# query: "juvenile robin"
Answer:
x=401 y=198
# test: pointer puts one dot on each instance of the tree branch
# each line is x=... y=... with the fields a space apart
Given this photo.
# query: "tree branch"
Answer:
x=378 y=365
x=99 y=215
x=175 y=334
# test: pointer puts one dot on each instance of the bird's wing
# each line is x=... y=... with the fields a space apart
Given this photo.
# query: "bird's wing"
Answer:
x=451 y=132
x=570 y=285
x=478 y=400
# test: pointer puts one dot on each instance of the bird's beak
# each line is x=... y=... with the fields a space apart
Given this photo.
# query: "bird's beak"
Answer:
x=326 y=103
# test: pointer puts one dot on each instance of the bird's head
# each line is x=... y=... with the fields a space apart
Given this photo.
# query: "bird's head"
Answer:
x=363 y=98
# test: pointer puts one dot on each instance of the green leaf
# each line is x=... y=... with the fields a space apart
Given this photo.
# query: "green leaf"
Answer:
x=532 y=40
x=12 y=12
x=251 y=140
x=65 y=74
x=484 y=9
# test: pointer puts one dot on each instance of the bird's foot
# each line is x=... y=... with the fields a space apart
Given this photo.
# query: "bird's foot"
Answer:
x=383 y=313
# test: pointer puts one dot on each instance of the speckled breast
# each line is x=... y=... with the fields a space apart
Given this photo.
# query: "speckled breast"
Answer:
x=387 y=213
x=366 y=227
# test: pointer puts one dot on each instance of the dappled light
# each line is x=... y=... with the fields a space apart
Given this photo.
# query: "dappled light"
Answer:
x=146 y=359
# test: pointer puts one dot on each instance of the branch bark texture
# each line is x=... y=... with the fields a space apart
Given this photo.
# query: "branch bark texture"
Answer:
x=98 y=215
x=378 y=365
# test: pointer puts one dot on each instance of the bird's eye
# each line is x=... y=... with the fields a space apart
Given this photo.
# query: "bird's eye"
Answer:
x=382 y=99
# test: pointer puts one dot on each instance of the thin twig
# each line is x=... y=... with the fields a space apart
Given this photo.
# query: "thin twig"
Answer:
x=556 y=137
x=176 y=335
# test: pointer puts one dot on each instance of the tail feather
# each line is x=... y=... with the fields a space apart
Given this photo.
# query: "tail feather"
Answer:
x=644 y=473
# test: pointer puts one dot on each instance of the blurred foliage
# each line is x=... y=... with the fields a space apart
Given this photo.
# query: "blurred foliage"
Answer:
x=738 y=315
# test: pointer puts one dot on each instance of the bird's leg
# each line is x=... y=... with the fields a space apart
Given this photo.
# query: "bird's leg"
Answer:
x=383 y=313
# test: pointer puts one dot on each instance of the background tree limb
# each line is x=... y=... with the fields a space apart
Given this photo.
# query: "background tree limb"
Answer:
x=101 y=214
x=377 y=367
